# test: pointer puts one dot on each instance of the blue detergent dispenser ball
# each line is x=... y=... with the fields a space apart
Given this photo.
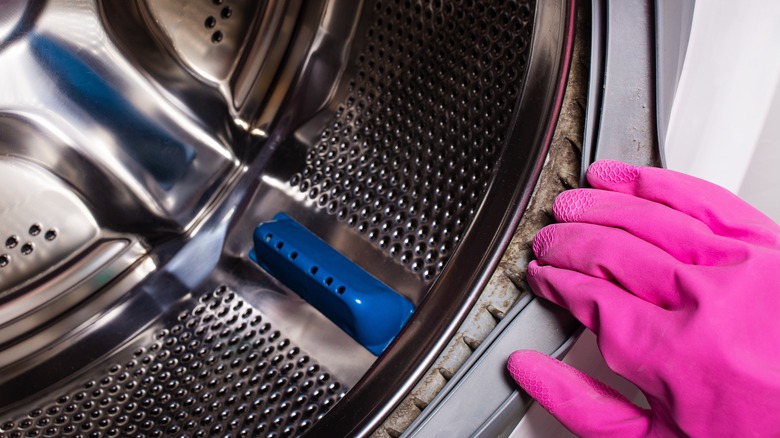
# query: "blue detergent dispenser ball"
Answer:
x=364 y=307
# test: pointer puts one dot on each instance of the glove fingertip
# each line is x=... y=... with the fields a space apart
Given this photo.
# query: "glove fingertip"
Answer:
x=542 y=280
x=584 y=405
x=569 y=206
x=524 y=367
x=607 y=173
x=523 y=359
x=544 y=240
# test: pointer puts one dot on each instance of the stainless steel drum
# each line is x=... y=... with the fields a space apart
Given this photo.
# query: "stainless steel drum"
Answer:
x=141 y=142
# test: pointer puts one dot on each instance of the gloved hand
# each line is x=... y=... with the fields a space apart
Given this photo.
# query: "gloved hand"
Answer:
x=680 y=281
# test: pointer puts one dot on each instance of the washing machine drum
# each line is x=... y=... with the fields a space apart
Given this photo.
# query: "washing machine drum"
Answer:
x=144 y=142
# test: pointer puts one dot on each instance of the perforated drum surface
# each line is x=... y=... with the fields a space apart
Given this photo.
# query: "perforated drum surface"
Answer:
x=215 y=369
x=422 y=117
x=426 y=113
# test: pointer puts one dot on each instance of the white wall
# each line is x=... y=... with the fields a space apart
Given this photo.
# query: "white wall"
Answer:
x=725 y=119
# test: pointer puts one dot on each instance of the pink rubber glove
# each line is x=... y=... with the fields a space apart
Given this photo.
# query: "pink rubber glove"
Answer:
x=680 y=281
